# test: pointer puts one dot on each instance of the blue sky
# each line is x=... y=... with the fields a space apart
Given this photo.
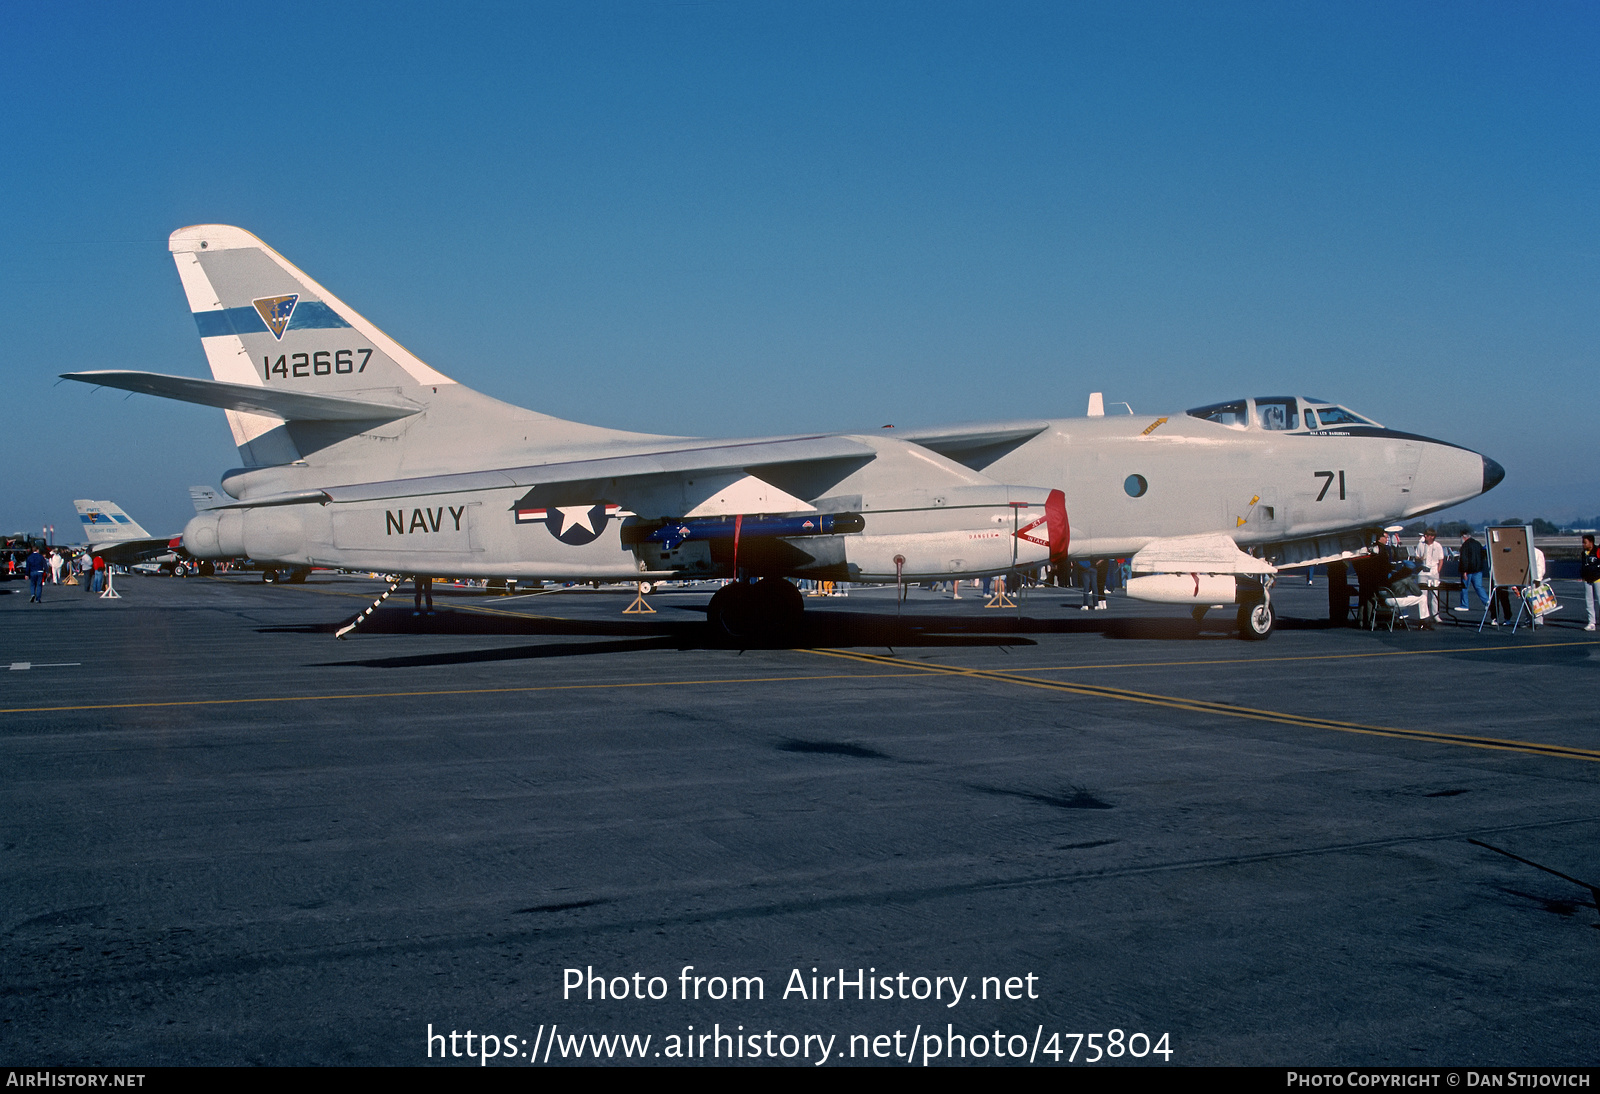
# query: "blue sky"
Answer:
x=733 y=218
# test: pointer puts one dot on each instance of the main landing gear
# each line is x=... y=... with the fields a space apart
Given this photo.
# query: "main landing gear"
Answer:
x=767 y=611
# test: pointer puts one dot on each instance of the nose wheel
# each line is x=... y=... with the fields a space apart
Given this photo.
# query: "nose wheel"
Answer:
x=1256 y=617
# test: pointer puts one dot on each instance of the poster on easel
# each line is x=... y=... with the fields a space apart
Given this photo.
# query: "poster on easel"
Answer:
x=1511 y=554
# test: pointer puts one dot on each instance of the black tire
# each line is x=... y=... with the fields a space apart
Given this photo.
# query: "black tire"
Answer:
x=768 y=611
x=208 y=569
x=1199 y=612
x=1256 y=620
x=731 y=612
x=779 y=605
x=298 y=577
x=269 y=576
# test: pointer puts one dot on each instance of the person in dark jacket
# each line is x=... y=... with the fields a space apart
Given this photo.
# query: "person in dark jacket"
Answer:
x=1590 y=572
x=36 y=568
x=1474 y=561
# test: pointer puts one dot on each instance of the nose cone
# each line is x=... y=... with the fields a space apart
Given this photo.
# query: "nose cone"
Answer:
x=1492 y=474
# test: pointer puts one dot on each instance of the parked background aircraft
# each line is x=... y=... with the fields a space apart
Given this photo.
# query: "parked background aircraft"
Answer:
x=123 y=541
x=357 y=454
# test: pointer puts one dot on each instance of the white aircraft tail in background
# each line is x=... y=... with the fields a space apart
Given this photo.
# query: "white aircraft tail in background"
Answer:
x=104 y=522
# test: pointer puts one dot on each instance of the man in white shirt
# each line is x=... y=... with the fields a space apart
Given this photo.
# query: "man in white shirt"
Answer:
x=1431 y=555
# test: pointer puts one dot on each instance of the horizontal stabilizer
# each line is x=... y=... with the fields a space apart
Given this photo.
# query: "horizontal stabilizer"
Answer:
x=129 y=551
x=292 y=406
x=1214 y=554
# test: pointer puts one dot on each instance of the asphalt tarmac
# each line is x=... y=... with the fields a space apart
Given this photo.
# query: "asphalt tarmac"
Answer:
x=226 y=837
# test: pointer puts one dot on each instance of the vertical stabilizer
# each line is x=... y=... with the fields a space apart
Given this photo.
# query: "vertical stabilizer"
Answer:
x=105 y=522
x=264 y=322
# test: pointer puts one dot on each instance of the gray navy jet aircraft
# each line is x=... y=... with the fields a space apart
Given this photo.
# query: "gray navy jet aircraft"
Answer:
x=358 y=455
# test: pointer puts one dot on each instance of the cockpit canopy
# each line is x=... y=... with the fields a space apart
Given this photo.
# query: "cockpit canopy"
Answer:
x=1284 y=413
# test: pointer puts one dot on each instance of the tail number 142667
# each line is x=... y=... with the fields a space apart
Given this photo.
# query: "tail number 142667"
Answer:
x=324 y=362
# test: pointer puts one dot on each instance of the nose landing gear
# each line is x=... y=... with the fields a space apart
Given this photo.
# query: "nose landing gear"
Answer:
x=1256 y=617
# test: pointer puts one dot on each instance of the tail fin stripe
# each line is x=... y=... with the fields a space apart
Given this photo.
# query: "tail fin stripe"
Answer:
x=308 y=315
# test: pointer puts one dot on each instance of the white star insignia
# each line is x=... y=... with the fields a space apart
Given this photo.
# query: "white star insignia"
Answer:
x=575 y=516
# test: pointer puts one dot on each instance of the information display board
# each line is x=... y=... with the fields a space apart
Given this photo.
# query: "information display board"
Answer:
x=1511 y=554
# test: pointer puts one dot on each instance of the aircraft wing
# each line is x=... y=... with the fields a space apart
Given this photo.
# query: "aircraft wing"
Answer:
x=753 y=457
x=1208 y=554
x=288 y=405
x=975 y=445
x=129 y=551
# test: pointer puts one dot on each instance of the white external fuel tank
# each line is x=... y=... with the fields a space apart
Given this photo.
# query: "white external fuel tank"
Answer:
x=1212 y=590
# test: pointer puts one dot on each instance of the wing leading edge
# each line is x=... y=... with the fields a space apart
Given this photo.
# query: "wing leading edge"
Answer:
x=291 y=406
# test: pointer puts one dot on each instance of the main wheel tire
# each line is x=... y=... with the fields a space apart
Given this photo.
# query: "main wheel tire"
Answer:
x=298 y=577
x=208 y=569
x=269 y=576
x=779 y=606
x=731 y=612
x=1256 y=620
x=767 y=611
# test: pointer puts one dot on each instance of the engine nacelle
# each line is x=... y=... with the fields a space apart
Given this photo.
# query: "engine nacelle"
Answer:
x=266 y=534
x=215 y=535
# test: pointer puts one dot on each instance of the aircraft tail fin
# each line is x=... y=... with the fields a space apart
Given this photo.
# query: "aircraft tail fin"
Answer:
x=206 y=497
x=265 y=322
x=105 y=522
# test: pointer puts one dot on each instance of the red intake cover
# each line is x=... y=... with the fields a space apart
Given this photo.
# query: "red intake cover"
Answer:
x=1055 y=516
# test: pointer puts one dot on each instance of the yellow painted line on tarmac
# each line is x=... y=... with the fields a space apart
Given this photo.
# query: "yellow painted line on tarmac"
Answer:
x=1205 y=706
x=918 y=671
x=514 y=615
x=1313 y=657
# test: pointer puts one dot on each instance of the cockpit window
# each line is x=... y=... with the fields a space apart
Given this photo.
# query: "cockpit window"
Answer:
x=1235 y=414
x=1277 y=414
x=1337 y=415
x=1311 y=418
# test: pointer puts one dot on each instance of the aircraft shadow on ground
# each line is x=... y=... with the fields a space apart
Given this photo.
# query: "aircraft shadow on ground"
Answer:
x=684 y=629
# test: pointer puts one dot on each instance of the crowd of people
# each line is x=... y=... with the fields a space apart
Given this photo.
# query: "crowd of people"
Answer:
x=1391 y=578
x=57 y=566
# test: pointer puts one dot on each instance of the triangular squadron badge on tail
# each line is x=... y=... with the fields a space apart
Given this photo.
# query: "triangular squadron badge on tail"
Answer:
x=275 y=312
